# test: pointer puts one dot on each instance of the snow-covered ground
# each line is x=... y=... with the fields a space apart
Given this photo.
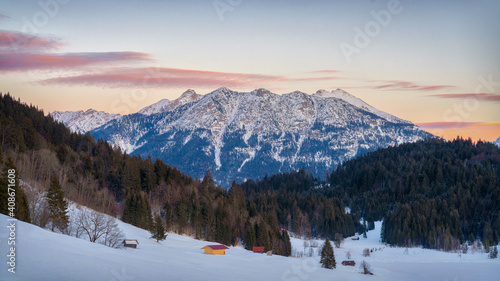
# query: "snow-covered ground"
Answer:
x=44 y=255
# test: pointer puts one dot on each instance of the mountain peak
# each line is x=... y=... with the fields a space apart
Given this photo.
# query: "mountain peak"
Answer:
x=222 y=89
x=333 y=94
x=261 y=92
x=189 y=93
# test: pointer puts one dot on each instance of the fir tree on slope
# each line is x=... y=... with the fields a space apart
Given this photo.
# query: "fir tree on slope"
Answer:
x=58 y=207
x=21 y=209
x=327 y=256
x=158 y=230
x=288 y=245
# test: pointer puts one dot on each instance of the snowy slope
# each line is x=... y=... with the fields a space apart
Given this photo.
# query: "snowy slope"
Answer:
x=82 y=122
x=86 y=121
x=44 y=255
x=345 y=96
x=166 y=105
x=155 y=107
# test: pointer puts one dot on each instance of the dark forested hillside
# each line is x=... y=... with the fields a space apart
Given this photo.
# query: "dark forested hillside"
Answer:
x=298 y=207
x=433 y=193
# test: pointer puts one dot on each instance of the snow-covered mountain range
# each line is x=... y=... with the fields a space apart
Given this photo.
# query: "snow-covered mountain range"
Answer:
x=241 y=135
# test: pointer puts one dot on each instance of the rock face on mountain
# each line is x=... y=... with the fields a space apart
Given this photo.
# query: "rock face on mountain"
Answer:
x=239 y=135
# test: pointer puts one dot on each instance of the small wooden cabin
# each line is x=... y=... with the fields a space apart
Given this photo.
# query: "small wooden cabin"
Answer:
x=259 y=250
x=130 y=243
x=215 y=249
x=349 y=263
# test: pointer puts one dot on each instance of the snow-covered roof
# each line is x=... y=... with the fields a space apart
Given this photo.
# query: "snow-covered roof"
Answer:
x=131 y=242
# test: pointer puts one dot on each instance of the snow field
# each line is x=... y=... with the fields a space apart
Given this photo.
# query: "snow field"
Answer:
x=44 y=255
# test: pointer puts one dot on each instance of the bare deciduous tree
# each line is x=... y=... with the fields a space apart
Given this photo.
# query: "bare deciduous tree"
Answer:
x=339 y=239
x=98 y=228
x=366 y=252
x=113 y=235
x=37 y=202
x=365 y=268
x=348 y=255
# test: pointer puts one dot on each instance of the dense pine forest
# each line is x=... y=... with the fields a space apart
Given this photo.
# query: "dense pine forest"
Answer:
x=433 y=193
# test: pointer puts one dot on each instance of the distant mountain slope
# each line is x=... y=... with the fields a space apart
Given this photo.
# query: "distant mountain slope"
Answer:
x=345 y=96
x=83 y=121
x=240 y=135
x=166 y=105
x=497 y=142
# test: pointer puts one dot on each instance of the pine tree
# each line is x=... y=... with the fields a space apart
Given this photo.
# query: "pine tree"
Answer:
x=21 y=207
x=327 y=256
x=288 y=245
x=158 y=230
x=249 y=238
x=58 y=207
x=208 y=180
x=493 y=252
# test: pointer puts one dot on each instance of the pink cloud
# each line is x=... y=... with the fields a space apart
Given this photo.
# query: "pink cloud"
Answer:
x=478 y=96
x=312 y=78
x=34 y=61
x=406 y=85
x=164 y=78
x=17 y=41
x=325 y=71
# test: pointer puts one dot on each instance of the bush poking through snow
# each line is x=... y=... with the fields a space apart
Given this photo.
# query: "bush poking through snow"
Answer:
x=366 y=252
x=365 y=268
x=493 y=252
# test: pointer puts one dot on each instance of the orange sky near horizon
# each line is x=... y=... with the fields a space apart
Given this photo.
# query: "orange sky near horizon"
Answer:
x=479 y=131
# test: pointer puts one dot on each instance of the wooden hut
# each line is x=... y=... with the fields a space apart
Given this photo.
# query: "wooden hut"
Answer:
x=349 y=263
x=259 y=250
x=130 y=243
x=215 y=249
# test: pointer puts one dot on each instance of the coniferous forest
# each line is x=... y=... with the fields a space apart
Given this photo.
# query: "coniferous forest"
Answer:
x=433 y=193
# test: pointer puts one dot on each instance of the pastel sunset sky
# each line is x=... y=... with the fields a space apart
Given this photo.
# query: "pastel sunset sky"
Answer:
x=435 y=63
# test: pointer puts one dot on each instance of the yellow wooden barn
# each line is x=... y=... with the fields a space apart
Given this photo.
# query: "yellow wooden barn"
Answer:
x=215 y=249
